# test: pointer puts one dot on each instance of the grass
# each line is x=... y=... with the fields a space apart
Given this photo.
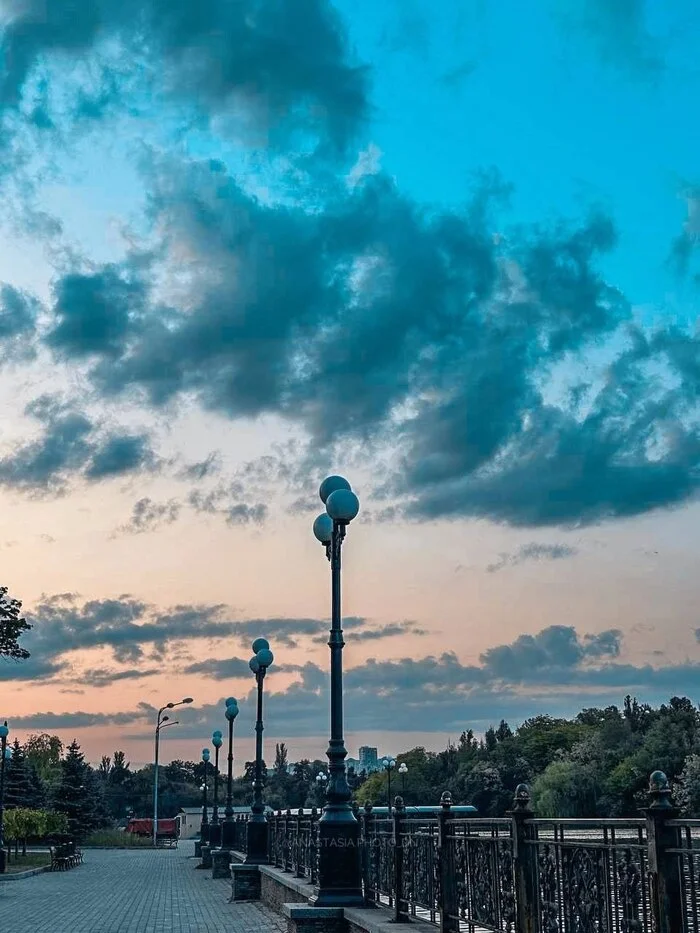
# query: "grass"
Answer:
x=27 y=862
x=118 y=839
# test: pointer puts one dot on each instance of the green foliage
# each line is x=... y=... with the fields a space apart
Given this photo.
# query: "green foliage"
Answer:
x=12 y=627
x=21 y=824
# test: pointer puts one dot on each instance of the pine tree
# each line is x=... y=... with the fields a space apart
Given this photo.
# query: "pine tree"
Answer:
x=71 y=795
x=18 y=789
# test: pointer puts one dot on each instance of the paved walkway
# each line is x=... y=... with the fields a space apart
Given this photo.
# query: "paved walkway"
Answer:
x=131 y=891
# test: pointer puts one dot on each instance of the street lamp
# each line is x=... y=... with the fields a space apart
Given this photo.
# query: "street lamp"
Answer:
x=215 y=826
x=403 y=771
x=5 y=755
x=228 y=828
x=204 y=831
x=339 y=877
x=159 y=722
x=388 y=763
x=256 y=844
x=321 y=782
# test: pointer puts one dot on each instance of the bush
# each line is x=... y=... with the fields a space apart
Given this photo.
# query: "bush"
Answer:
x=116 y=838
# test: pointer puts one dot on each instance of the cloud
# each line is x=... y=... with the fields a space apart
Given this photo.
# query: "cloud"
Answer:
x=71 y=445
x=285 y=67
x=221 y=501
x=18 y=313
x=389 y=630
x=148 y=515
x=618 y=31
x=104 y=677
x=546 y=672
x=532 y=552
x=94 y=312
x=210 y=466
x=557 y=648
x=62 y=624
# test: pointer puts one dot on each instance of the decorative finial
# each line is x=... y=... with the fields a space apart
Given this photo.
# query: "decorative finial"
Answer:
x=659 y=791
x=521 y=801
x=446 y=800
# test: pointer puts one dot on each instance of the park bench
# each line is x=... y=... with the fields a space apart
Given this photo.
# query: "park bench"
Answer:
x=65 y=855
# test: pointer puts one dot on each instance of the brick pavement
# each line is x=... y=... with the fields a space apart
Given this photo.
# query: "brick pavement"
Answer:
x=131 y=891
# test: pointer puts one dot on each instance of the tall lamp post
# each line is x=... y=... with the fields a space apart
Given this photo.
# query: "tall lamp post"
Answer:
x=159 y=723
x=228 y=828
x=5 y=755
x=256 y=846
x=321 y=782
x=215 y=825
x=388 y=763
x=204 y=832
x=221 y=857
x=340 y=883
x=403 y=771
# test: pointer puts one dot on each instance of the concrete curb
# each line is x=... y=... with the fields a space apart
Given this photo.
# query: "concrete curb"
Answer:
x=19 y=875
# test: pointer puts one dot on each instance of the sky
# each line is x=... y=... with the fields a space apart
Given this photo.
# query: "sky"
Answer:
x=447 y=250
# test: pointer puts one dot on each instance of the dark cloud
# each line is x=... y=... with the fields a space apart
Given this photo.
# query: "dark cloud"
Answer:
x=62 y=624
x=557 y=648
x=18 y=312
x=389 y=630
x=618 y=30
x=220 y=669
x=104 y=677
x=148 y=515
x=70 y=445
x=218 y=502
x=210 y=466
x=532 y=552
x=94 y=312
x=284 y=65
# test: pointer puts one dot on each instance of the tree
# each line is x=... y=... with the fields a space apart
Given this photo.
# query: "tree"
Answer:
x=688 y=789
x=18 y=787
x=44 y=753
x=74 y=795
x=12 y=627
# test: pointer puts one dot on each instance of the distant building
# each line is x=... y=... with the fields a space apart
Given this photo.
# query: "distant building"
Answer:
x=353 y=763
x=368 y=759
x=190 y=819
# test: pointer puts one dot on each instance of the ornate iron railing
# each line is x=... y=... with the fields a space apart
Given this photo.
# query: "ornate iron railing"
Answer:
x=519 y=874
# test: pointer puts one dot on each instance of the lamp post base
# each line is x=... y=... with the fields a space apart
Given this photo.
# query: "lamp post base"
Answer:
x=339 y=872
x=206 y=857
x=221 y=863
x=215 y=835
x=3 y=861
x=228 y=834
x=256 y=849
x=198 y=848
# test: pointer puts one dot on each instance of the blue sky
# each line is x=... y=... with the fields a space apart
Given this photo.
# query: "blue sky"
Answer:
x=449 y=249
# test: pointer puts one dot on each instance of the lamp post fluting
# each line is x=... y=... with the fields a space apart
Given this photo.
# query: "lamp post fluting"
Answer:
x=159 y=725
x=340 y=883
x=215 y=825
x=228 y=828
x=388 y=762
x=4 y=732
x=204 y=832
x=257 y=830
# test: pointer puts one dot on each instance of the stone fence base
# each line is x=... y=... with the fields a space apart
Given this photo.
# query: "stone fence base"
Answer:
x=290 y=897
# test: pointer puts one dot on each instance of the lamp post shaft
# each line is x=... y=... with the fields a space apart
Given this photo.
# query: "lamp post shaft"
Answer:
x=388 y=774
x=257 y=829
x=340 y=882
x=215 y=808
x=204 y=834
x=258 y=806
x=228 y=827
x=3 y=747
x=229 y=779
x=155 y=786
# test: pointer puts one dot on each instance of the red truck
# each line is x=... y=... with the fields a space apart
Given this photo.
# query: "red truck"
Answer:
x=167 y=830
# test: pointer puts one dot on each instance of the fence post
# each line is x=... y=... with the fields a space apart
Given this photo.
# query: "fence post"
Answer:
x=301 y=842
x=368 y=840
x=664 y=866
x=524 y=862
x=313 y=846
x=400 y=903
x=449 y=919
x=288 y=849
